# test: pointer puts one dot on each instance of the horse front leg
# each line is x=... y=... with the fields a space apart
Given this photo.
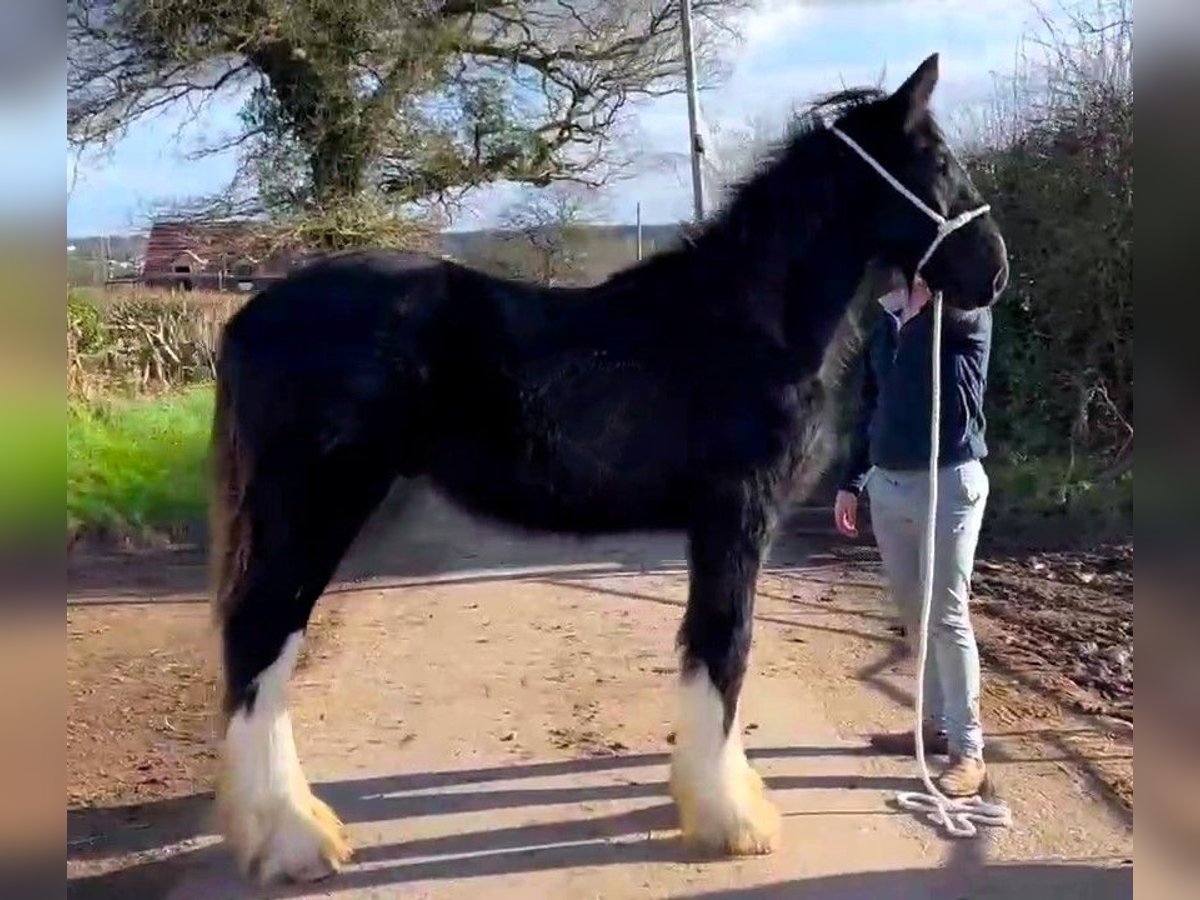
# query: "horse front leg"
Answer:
x=723 y=807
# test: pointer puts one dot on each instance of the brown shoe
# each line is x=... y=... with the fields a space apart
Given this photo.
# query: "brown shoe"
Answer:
x=901 y=743
x=964 y=777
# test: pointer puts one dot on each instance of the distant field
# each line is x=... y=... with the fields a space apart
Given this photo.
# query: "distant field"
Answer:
x=116 y=294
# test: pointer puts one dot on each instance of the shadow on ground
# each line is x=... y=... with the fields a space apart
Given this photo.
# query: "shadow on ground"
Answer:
x=1036 y=881
x=165 y=848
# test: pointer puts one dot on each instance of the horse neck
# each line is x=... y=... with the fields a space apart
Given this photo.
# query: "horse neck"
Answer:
x=820 y=289
x=788 y=254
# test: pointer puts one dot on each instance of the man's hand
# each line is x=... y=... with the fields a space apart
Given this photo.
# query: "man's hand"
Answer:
x=845 y=513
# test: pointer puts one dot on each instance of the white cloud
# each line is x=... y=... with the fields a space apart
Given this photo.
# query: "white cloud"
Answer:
x=846 y=43
x=773 y=22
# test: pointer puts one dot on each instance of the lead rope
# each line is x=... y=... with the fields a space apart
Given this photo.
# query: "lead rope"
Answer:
x=958 y=816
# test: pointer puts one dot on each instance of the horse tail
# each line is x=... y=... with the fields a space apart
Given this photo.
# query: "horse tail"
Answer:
x=229 y=520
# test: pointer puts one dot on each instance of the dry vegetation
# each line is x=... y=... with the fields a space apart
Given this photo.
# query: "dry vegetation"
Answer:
x=136 y=341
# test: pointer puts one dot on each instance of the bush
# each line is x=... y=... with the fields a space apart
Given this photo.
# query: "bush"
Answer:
x=1057 y=166
x=85 y=326
x=142 y=341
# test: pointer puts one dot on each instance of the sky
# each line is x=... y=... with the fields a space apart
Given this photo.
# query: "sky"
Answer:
x=791 y=51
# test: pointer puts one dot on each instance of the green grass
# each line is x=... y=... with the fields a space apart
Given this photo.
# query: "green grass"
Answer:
x=138 y=465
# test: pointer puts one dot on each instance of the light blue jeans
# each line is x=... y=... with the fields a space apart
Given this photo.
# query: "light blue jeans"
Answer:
x=899 y=502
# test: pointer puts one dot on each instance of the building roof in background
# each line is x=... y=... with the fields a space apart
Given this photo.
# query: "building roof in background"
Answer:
x=210 y=245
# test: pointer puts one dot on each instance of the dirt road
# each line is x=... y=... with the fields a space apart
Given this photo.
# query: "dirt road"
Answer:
x=491 y=716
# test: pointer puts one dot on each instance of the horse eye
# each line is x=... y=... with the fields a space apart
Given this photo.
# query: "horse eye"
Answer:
x=943 y=163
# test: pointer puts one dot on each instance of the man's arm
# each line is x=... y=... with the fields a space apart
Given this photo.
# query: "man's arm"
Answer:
x=858 y=462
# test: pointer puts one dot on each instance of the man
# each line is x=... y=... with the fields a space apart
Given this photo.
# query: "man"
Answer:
x=889 y=456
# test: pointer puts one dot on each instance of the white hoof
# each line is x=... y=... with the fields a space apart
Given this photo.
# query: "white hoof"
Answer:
x=290 y=840
x=733 y=819
x=274 y=824
x=722 y=802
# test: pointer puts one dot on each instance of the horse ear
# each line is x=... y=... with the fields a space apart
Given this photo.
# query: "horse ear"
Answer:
x=912 y=97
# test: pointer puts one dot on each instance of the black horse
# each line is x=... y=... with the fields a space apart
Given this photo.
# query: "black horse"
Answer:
x=682 y=393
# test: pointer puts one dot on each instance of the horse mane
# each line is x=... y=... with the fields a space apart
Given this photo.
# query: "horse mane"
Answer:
x=819 y=114
x=743 y=222
x=755 y=189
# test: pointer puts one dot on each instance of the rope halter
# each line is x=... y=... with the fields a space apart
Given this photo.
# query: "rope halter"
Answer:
x=945 y=227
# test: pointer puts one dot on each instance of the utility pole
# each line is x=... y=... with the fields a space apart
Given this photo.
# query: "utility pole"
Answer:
x=639 y=231
x=99 y=263
x=693 y=105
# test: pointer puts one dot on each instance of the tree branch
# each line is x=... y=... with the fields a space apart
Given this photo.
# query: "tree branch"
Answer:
x=389 y=94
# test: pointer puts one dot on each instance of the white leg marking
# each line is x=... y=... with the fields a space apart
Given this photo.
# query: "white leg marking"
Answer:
x=722 y=803
x=269 y=815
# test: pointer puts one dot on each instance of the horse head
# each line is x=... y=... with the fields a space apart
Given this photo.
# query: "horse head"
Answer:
x=923 y=210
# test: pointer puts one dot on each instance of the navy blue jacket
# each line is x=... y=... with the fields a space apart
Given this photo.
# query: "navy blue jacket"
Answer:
x=892 y=429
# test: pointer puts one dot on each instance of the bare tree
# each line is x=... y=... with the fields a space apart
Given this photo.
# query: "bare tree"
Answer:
x=739 y=149
x=543 y=235
x=417 y=100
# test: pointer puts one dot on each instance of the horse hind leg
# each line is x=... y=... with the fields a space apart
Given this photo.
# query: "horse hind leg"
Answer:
x=277 y=551
x=276 y=826
x=722 y=802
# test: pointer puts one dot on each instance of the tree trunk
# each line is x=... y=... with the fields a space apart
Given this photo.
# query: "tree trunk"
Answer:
x=338 y=166
x=322 y=116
